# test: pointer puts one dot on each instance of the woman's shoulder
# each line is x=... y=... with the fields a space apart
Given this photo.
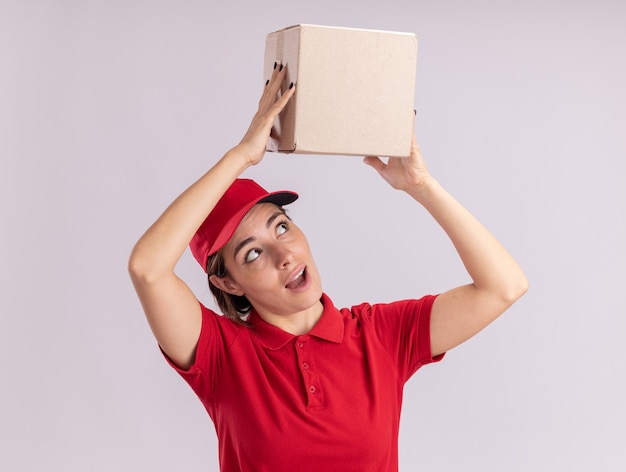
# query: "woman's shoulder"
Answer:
x=391 y=307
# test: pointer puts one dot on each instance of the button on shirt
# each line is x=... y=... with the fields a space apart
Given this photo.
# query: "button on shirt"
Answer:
x=326 y=401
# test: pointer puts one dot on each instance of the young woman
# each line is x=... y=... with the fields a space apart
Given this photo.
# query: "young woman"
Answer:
x=290 y=381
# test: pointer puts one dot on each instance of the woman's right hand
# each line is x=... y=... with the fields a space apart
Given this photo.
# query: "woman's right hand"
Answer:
x=253 y=144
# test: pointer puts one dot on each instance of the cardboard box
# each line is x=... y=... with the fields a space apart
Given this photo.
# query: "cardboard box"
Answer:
x=355 y=90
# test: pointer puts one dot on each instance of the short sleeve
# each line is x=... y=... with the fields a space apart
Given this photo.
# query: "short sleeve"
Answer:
x=216 y=335
x=403 y=328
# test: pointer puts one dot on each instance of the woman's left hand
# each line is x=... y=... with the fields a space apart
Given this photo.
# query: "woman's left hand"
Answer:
x=402 y=173
x=497 y=280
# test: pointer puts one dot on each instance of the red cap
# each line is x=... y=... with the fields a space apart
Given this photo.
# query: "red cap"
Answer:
x=223 y=220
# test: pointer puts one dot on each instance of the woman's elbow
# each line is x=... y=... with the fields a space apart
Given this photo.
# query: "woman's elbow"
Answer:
x=515 y=289
x=140 y=268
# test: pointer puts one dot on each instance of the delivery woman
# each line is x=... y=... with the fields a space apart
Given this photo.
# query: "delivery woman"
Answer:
x=290 y=381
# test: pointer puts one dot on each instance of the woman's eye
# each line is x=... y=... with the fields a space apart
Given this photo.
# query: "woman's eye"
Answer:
x=282 y=228
x=252 y=254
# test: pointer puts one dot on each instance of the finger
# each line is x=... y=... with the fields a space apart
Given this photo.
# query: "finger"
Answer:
x=413 y=138
x=374 y=162
x=272 y=86
x=275 y=71
x=270 y=81
x=278 y=76
x=283 y=100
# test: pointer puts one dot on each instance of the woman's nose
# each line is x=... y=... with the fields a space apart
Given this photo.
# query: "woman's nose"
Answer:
x=284 y=256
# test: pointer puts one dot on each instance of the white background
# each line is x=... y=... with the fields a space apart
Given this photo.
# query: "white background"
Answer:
x=109 y=109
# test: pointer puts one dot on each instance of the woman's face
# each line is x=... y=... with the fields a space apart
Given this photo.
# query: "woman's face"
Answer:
x=268 y=260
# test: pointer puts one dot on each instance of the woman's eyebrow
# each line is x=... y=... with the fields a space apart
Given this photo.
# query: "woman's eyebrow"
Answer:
x=239 y=246
x=271 y=219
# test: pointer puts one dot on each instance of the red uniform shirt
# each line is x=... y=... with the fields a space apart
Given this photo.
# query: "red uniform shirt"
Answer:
x=326 y=401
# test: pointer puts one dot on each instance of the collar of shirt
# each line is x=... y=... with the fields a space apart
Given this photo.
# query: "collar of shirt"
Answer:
x=329 y=327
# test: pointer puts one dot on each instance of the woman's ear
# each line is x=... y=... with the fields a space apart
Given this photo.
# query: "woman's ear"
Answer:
x=226 y=284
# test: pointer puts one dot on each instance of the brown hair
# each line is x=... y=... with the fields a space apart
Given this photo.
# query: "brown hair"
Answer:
x=234 y=307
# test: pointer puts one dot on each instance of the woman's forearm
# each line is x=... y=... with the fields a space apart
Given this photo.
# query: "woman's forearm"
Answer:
x=490 y=266
x=162 y=245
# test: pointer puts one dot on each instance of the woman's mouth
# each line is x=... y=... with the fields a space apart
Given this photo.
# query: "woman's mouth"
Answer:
x=298 y=280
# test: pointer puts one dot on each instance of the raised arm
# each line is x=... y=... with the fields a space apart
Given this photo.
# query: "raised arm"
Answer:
x=172 y=310
x=497 y=280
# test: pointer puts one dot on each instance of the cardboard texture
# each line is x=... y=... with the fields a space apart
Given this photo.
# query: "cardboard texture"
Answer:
x=355 y=90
